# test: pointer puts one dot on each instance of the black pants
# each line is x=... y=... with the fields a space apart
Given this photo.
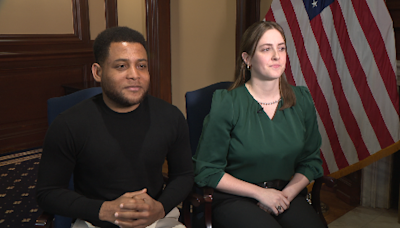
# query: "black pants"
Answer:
x=233 y=211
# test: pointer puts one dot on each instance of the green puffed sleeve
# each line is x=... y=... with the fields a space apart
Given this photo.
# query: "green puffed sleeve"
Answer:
x=210 y=158
x=309 y=163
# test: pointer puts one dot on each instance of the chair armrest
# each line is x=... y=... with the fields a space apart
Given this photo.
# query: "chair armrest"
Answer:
x=329 y=181
x=44 y=220
x=208 y=194
x=197 y=200
x=316 y=194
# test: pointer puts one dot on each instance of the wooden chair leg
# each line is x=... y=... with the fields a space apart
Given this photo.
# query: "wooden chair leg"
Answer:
x=187 y=221
x=208 y=197
x=398 y=218
x=45 y=220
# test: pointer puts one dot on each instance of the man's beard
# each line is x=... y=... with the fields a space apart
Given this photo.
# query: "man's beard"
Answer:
x=118 y=97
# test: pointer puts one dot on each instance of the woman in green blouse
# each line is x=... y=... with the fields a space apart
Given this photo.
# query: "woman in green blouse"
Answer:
x=260 y=145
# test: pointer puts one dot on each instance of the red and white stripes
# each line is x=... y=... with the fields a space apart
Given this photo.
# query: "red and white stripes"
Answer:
x=346 y=57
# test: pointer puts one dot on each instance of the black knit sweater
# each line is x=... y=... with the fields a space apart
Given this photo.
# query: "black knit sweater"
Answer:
x=113 y=153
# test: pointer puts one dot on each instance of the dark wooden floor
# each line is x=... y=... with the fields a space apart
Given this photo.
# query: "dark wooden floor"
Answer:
x=336 y=207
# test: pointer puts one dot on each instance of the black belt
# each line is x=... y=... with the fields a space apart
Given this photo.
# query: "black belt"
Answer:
x=277 y=184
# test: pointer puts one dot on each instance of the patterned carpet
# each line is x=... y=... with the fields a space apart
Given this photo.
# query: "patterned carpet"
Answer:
x=18 y=174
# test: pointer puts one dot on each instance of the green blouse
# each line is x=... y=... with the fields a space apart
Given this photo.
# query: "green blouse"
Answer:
x=240 y=139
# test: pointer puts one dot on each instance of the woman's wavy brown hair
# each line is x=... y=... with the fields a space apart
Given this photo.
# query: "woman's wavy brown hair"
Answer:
x=249 y=42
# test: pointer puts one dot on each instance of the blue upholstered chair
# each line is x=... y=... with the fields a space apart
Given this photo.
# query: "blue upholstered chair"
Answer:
x=198 y=105
x=55 y=106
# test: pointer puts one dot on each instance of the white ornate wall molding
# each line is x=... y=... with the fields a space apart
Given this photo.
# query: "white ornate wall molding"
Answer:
x=375 y=184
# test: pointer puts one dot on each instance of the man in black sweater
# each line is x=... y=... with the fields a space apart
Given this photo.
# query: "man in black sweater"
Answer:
x=115 y=144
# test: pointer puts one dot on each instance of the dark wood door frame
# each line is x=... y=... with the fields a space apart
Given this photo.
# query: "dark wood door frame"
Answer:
x=159 y=47
x=111 y=13
x=247 y=13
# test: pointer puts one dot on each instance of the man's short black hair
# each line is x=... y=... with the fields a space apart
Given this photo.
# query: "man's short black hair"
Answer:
x=115 y=34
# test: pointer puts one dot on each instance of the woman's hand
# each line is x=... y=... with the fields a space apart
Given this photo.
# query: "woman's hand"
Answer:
x=298 y=183
x=272 y=200
x=269 y=199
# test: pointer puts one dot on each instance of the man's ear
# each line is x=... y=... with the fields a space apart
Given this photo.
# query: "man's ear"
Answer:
x=246 y=58
x=97 y=72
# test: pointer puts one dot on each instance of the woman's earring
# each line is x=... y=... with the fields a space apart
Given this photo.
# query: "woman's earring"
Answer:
x=248 y=67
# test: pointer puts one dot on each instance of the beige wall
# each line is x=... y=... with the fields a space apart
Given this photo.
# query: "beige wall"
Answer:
x=132 y=13
x=97 y=17
x=32 y=17
x=202 y=43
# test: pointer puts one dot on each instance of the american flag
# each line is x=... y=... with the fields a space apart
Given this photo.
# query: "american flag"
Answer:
x=344 y=52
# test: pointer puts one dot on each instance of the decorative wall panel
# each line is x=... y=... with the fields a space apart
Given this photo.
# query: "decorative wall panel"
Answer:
x=34 y=68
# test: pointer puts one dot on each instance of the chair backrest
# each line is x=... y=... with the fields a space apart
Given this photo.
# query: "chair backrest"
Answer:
x=198 y=105
x=55 y=106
